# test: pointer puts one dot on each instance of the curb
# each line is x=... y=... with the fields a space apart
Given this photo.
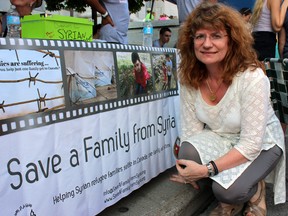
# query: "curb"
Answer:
x=160 y=196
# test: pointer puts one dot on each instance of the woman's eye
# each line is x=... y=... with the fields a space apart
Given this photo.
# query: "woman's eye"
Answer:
x=199 y=37
x=216 y=36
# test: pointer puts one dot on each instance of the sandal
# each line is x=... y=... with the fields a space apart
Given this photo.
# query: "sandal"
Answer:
x=226 y=210
x=253 y=208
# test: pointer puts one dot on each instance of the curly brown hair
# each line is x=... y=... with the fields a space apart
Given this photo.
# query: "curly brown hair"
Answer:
x=240 y=55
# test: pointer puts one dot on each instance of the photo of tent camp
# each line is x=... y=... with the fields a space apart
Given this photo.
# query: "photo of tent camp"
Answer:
x=30 y=81
x=164 y=71
x=90 y=76
x=134 y=71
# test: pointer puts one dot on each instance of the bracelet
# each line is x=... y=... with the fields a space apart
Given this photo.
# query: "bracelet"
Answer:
x=105 y=14
x=211 y=171
x=216 y=171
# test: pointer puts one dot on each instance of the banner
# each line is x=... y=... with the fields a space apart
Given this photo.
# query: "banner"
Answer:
x=72 y=144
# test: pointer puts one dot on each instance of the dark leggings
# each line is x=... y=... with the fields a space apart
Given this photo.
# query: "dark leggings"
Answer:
x=245 y=186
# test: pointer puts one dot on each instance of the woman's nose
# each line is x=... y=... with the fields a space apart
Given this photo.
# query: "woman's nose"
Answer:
x=207 y=42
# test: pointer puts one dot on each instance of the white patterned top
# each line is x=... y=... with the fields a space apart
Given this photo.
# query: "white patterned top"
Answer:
x=244 y=119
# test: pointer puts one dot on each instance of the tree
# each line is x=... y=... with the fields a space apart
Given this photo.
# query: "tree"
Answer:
x=80 y=5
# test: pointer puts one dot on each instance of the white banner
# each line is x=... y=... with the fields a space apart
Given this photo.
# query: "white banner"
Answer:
x=82 y=166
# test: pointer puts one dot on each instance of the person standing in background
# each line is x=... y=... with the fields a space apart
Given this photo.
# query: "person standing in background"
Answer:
x=164 y=37
x=25 y=7
x=283 y=39
x=185 y=7
x=115 y=19
x=164 y=17
x=246 y=15
x=267 y=19
x=149 y=16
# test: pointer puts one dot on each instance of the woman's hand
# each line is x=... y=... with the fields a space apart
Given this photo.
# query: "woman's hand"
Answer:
x=107 y=20
x=181 y=179
x=189 y=172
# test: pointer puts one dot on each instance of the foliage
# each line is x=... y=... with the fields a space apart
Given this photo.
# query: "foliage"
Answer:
x=55 y=5
x=80 y=5
x=135 y=5
x=126 y=80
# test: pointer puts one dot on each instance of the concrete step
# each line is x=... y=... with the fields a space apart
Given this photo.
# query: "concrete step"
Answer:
x=160 y=197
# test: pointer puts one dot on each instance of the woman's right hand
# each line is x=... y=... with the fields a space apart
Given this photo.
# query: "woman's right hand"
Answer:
x=191 y=170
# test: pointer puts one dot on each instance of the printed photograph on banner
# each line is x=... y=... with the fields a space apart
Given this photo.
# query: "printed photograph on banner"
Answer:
x=30 y=82
x=164 y=71
x=135 y=73
x=90 y=76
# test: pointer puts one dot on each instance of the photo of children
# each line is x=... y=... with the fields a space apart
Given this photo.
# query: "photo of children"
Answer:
x=164 y=72
x=134 y=71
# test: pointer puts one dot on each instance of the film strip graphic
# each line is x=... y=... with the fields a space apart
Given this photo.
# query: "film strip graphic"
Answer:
x=20 y=43
x=44 y=117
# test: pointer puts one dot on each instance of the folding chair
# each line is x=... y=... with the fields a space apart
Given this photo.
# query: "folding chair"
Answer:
x=277 y=71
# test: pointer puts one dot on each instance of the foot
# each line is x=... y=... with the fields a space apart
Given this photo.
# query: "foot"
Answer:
x=257 y=205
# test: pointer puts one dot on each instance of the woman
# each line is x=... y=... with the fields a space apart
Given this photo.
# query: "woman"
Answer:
x=23 y=7
x=229 y=131
x=267 y=19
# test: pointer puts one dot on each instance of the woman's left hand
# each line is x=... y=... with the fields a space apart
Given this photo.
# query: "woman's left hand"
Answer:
x=181 y=179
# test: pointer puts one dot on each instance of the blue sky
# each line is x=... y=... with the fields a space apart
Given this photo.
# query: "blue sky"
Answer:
x=238 y=4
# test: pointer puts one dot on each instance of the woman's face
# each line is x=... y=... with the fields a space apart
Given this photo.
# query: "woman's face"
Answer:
x=210 y=46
